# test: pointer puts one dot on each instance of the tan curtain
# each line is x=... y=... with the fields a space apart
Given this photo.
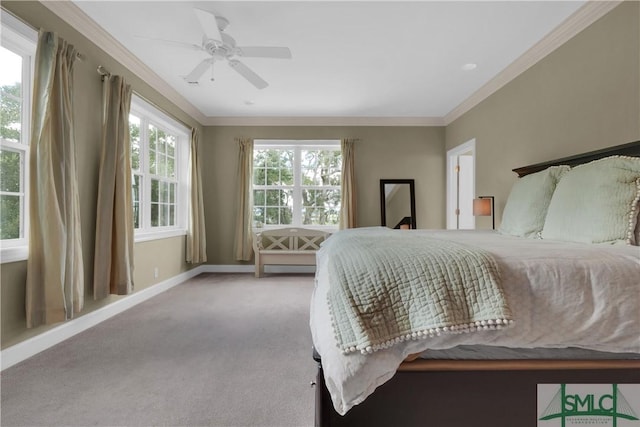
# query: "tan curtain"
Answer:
x=196 y=238
x=113 y=264
x=55 y=271
x=347 y=185
x=244 y=206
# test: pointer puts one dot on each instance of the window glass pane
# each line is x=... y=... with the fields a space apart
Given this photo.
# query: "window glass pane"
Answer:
x=153 y=136
x=171 y=167
x=163 y=215
x=134 y=133
x=171 y=146
x=259 y=176
x=161 y=161
x=155 y=190
x=10 y=218
x=172 y=215
x=258 y=216
x=286 y=215
x=10 y=95
x=321 y=167
x=164 y=192
x=10 y=170
x=161 y=145
x=154 y=214
x=172 y=193
x=136 y=200
x=258 y=197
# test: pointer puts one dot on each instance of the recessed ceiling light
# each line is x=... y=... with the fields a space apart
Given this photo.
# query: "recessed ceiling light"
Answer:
x=249 y=102
x=470 y=66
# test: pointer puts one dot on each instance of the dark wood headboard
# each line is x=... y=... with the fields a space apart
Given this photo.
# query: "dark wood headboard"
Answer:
x=630 y=149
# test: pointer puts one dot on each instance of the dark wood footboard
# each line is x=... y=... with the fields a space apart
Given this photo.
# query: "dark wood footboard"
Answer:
x=463 y=398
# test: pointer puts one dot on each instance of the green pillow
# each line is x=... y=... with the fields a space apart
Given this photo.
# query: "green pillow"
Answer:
x=526 y=207
x=596 y=202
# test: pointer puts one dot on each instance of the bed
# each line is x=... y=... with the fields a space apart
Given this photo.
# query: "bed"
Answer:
x=487 y=374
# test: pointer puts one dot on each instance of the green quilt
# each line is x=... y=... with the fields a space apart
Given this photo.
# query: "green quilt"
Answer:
x=389 y=286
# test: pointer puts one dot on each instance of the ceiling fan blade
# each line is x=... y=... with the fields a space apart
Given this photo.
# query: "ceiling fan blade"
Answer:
x=209 y=24
x=191 y=46
x=197 y=72
x=248 y=74
x=264 y=52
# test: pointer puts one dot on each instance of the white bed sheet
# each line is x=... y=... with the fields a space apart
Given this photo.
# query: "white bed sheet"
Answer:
x=561 y=295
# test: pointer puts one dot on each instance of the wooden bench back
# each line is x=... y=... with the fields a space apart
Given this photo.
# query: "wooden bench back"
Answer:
x=291 y=239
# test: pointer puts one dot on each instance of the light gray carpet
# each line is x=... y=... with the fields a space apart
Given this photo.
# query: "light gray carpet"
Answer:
x=218 y=350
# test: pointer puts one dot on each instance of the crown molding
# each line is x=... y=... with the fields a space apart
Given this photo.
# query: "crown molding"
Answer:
x=324 y=121
x=578 y=21
x=80 y=21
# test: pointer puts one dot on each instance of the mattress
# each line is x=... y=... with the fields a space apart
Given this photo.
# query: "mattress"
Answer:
x=562 y=295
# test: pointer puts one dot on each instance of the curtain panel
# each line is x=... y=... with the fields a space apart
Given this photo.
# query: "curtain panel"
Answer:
x=196 y=251
x=244 y=206
x=347 y=185
x=113 y=264
x=55 y=270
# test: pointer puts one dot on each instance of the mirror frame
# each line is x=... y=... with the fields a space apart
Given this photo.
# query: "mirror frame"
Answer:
x=412 y=196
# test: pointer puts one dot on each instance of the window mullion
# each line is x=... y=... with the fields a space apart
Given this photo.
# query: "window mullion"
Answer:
x=297 y=186
x=145 y=194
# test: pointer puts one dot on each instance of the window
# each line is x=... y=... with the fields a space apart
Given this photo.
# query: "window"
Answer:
x=17 y=48
x=296 y=183
x=159 y=163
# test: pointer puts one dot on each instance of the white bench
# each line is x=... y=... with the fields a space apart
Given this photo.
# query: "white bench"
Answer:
x=286 y=246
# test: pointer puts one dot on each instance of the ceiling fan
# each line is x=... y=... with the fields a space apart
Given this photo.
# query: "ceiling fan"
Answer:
x=222 y=47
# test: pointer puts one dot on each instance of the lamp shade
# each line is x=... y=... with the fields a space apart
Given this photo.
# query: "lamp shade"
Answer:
x=481 y=207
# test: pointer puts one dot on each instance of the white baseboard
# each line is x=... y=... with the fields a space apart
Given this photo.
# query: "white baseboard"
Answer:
x=32 y=346
x=251 y=269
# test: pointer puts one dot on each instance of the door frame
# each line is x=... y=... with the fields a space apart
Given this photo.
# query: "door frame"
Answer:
x=467 y=148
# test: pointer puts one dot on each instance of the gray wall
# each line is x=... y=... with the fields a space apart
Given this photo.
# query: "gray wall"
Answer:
x=583 y=96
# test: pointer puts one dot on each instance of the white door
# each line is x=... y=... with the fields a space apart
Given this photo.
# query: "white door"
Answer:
x=461 y=186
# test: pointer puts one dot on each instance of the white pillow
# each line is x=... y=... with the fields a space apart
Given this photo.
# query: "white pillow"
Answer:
x=596 y=202
x=526 y=207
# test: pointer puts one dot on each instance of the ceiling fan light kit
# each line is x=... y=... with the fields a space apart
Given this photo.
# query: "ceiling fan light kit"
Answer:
x=222 y=47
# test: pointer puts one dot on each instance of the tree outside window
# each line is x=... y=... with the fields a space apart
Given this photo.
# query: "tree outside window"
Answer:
x=296 y=183
x=13 y=149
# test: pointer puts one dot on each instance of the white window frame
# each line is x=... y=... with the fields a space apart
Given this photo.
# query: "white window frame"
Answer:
x=21 y=39
x=297 y=146
x=149 y=114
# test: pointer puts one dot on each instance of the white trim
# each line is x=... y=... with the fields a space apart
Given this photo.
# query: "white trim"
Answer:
x=146 y=235
x=324 y=121
x=32 y=346
x=151 y=115
x=578 y=21
x=80 y=21
x=13 y=254
x=250 y=268
x=452 y=154
x=27 y=32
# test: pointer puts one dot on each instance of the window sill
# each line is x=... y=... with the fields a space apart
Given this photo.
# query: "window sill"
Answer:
x=14 y=254
x=146 y=236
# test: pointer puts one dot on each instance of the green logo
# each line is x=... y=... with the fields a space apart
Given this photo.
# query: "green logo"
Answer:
x=588 y=407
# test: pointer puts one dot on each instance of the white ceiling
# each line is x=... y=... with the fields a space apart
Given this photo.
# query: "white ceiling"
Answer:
x=350 y=59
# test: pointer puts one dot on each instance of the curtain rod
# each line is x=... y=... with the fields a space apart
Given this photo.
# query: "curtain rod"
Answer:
x=103 y=72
